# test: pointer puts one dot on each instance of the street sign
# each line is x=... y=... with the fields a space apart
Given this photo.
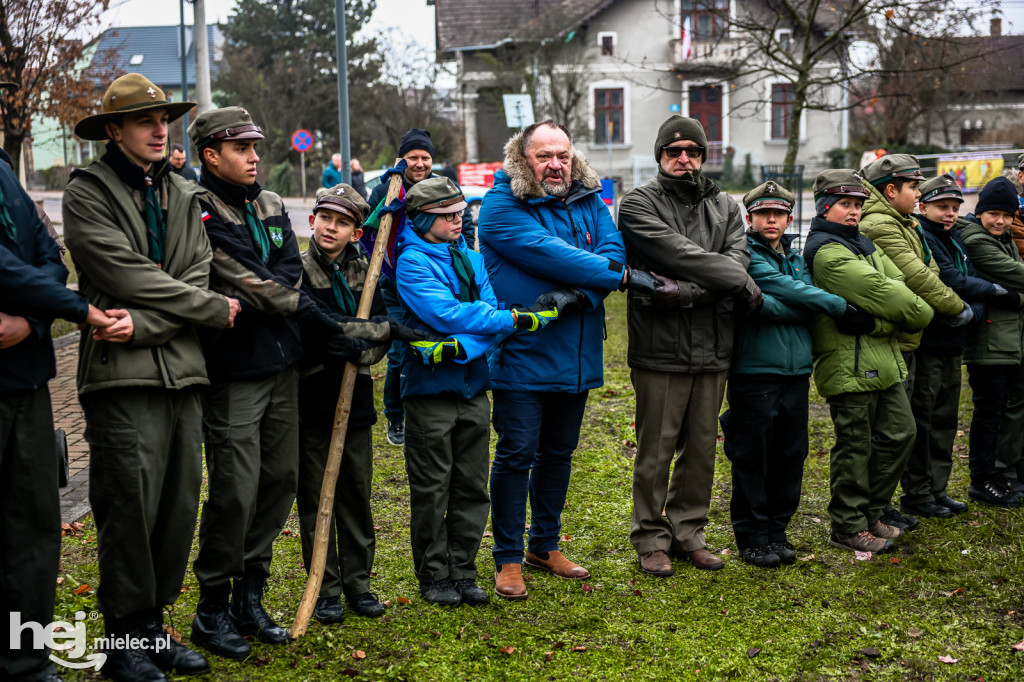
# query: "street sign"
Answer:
x=302 y=140
x=518 y=110
x=674 y=108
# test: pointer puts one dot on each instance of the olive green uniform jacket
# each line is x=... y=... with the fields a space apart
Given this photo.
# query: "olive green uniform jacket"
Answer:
x=998 y=336
x=107 y=236
x=693 y=234
x=865 y=362
x=901 y=239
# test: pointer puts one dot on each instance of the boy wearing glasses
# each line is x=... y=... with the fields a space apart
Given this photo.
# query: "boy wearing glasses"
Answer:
x=682 y=227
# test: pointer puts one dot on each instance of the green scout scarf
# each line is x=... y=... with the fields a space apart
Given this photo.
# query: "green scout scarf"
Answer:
x=343 y=295
x=468 y=289
x=155 y=227
x=5 y=219
x=259 y=231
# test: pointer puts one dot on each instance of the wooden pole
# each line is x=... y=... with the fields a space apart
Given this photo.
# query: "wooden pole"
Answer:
x=341 y=415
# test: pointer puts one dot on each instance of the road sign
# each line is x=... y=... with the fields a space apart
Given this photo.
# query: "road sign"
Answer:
x=518 y=110
x=302 y=140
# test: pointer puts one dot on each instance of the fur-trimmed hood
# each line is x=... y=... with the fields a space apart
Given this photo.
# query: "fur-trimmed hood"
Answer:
x=522 y=181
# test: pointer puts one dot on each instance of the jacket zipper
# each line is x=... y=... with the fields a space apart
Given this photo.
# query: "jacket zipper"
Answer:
x=579 y=353
x=856 y=354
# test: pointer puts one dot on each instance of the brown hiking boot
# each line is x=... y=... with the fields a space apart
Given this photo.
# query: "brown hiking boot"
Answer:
x=882 y=530
x=863 y=541
x=555 y=562
x=656 y=563
x=705 y=560
x=508 y=581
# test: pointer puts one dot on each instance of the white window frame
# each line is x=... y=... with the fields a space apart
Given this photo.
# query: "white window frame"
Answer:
x=601 y=35
x=789 y=40
x=627 y=105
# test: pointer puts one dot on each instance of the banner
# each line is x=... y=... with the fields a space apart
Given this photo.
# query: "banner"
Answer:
x=971 y=172
x=478 y=174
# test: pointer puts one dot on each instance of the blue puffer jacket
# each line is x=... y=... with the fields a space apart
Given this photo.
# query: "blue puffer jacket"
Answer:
x=429 y=290
x=533 y=243
x=778 y=339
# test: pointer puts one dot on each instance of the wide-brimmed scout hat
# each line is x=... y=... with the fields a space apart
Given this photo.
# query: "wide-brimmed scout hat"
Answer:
x=434 y=195
x=130 y=93
x=941 y=187
x=227 y=123
x=892 y=166
x=840 y=182
x=769 y=195
x=343 y=199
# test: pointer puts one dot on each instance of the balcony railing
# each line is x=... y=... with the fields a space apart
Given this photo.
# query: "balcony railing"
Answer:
x=714 y=154
x=716 y=52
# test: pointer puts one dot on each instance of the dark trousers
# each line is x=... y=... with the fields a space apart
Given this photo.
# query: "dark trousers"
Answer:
x=990 y=385
x=874 y=436
x=1010 y=443
x=29 y=526
x=766 y=440
x=447 y=440
x=252 y=459
x=394 y=410
x=352 y=542
x=935 y=403
x=145 y=473
x=537 y=435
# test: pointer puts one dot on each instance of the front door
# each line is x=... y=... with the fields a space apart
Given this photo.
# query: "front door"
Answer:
x=706 y=107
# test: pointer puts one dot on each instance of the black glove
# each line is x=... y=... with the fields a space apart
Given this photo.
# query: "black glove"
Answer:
x=408 y=334
x=565 y=300
x=855 y=321
x=667 y=295
x=641 y=282
x=345 y=348
x=1010 y=300
x=752 y=296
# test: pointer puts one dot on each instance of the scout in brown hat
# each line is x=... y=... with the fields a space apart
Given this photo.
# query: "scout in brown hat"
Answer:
x=135 y=230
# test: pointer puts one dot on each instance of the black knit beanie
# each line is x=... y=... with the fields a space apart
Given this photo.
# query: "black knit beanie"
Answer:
x=415 y=138
x=680 y=128
x=997 y=195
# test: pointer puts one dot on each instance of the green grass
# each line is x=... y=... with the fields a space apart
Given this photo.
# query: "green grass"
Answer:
x=951 y=588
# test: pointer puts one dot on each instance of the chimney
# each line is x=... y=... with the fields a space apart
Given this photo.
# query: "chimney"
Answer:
x=996 y=27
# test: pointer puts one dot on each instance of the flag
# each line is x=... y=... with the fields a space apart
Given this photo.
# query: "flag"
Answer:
x=687 y=40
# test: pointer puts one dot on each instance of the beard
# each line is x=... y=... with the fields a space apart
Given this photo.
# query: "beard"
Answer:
x=555 y=189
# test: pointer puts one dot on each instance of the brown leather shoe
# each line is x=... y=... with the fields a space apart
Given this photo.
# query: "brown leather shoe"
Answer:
x=508 y=581
x=657 y=563
x=557 y=564
x=705 y=560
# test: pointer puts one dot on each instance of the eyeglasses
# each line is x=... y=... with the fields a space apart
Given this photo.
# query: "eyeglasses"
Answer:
x=674 y=152
x=450 y=217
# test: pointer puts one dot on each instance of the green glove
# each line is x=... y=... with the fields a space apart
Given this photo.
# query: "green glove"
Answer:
x=436 y=352
x=534 y=319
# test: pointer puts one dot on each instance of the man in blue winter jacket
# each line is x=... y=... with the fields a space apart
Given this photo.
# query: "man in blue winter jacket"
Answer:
x=545 y=227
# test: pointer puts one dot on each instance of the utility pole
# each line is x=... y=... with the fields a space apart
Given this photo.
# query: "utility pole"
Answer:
x=202 y=58
x=184 y=80
x=341 y=39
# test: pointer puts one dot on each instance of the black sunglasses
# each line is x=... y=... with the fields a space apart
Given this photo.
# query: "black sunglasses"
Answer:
x=674 y=152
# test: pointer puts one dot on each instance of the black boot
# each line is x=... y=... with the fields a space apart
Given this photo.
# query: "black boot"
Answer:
x=248 y=613
x=126 y=664
x=166 y=652
x=214 y=629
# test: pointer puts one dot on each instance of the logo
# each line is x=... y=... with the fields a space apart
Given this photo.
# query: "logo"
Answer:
x=341 y=190
x=677 y=135
x=151 y=92
x=770 y=187
x=277 y=236
x=72 y=640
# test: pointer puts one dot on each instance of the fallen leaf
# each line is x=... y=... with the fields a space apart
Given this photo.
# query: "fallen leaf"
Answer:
x=724 y=551
x=351 y=672
x=169 y=629
x=507 y=650
x=579 y=647
x=871 y=652
x=1019 y=646
x=286 y=532
x=815 y=519
x=378 y=527
x=587 y=587
x=459 y=634
x=637 y=593
x=632 y=581
x=436 y=633
x=915 y=632
x=486 y=636
x=558 y=645
x=549 y=656
x=60 y=579
x=80 y=589
x=807 y=558
x=753 y=652
x=488 y=534
x=567 y=537
x=894 y=560
x=387 y=602
x=404 y=600
x=948 y=659
x=359 y=654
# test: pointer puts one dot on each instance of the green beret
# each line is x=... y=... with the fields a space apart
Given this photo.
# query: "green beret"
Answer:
x=942 y=187
x=769 y=195
x=839 y=181
x=229 y=123
x=892 y=166
x=434 y=195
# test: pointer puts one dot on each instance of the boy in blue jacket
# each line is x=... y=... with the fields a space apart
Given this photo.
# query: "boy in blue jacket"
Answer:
x=766 y=425
x=445 y=290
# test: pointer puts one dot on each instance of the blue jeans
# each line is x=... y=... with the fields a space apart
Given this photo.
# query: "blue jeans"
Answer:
x=394 y=410
x=537 y=434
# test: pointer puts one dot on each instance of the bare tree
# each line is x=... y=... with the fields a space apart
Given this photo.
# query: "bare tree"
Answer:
x=38 y=56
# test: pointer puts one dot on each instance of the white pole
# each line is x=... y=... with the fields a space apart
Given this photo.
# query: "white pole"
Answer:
x=202 y=58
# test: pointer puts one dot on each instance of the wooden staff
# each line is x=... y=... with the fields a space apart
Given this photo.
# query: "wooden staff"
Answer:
x=341 y=415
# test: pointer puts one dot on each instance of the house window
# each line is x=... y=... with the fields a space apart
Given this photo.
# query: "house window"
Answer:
x=609 y=110
x=708 y=18
x=784 y=37
x=782 y=106
x=606 y=40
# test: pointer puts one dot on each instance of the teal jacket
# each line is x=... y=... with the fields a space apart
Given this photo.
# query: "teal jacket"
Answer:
x=778 y=339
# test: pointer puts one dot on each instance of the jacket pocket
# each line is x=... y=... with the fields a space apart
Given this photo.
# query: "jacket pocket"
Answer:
x=1002 y=334
x=114 y=467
